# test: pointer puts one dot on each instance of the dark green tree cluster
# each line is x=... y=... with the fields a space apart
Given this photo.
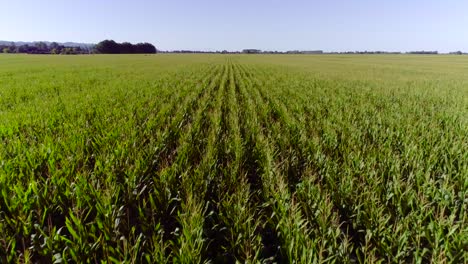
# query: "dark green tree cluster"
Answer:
x=112 y=47
x=42 y=48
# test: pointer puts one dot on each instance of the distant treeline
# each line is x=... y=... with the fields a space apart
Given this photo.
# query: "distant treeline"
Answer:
x=257 y=51
x=423 y=52
x=247 y=51
x=200 y=52
x=103 y=47
x=43 y=48
x=112 y=47
x=367 y=52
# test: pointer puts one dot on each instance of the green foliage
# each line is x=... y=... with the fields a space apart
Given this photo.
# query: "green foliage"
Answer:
x=233 y=159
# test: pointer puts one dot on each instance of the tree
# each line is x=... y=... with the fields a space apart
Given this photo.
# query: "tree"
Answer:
x=54 y=45
x=23 y=49
x=41 y=46
x=107 y=47
x=111 y=47
x=145 y=48
x=126 y=48
x=67 y=51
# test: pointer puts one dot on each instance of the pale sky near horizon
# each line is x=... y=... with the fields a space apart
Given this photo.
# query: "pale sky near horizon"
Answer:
x=333 y=25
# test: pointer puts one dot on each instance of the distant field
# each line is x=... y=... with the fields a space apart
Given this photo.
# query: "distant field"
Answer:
x=225 y=158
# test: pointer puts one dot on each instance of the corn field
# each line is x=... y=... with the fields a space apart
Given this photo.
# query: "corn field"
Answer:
x=233 y=159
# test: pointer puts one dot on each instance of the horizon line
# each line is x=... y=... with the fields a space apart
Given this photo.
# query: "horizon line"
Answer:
x=240 y=50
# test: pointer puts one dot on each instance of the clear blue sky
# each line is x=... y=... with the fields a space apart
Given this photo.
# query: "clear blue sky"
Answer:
x=331 y=25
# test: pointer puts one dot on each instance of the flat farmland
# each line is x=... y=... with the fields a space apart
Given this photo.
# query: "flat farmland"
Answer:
x=233 y=158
